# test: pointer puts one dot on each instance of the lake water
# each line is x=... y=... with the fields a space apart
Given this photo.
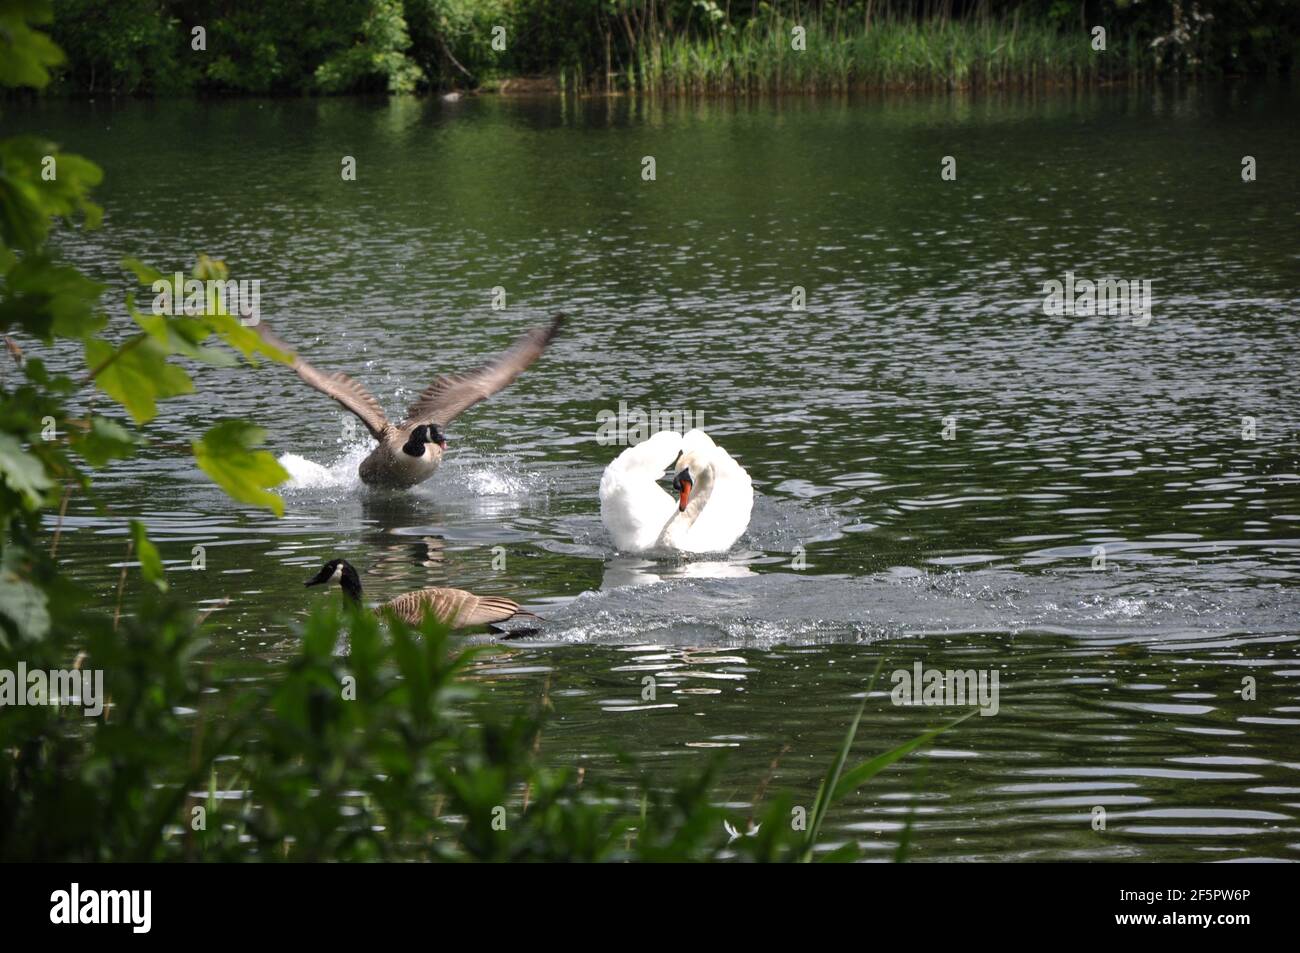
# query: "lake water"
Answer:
x=1120 y=686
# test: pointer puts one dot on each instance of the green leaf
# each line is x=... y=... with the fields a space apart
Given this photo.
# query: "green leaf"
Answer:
x=22 y=472
x=151 y=566
x=180 y=335
x=105 y=440
x=48 y=300
x=136 y=375
x=210 y=269
x=23 y=605
x=29 y=200
x=146 y=274
x=244 y=339
x=26 y=54
x=183 y=333
x=228 y=454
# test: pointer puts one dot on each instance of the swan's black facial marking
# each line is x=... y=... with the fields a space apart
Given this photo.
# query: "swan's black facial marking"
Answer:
x=682 y=486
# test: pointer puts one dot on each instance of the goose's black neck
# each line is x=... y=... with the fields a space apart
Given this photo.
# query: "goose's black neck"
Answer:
x=414 y=446
x=350 y=582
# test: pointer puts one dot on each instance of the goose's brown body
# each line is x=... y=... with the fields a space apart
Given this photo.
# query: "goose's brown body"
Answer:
x=457 y=608
x=390 y=466
x=454 y=607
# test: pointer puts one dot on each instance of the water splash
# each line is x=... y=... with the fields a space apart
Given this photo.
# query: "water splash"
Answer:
x=720 y=604
x=462 y=477
x=306 y=474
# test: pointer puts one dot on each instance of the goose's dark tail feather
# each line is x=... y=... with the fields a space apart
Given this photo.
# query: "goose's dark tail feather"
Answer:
x=524 y=632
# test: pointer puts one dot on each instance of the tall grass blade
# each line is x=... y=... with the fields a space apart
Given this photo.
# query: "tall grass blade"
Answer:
x=839 y=783
x=869 y=769
x=831 y=780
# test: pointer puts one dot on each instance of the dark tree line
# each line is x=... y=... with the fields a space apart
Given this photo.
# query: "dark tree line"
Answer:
x=331 y=46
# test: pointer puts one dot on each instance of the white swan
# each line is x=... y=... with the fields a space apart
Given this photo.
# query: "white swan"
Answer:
x=714 y=496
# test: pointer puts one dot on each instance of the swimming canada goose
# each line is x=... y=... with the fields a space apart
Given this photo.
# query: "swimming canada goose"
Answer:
x=714 y=496
x=410 y=451
x=455 y=607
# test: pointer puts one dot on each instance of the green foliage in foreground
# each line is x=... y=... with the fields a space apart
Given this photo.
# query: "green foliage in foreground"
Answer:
x=46 y=447
x=396 y=46
x=362 y=748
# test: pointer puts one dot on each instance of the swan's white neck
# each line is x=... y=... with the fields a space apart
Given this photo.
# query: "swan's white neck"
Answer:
x=683 y=520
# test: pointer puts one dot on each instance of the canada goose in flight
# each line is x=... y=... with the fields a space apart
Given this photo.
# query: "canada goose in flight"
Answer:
x=454 y=607
x=410 y=451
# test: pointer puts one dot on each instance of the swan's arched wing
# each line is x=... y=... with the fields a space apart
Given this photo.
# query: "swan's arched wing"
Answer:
x=633 y=506
x=697 y=441
x=452 y=394
x=337 y=386
x=455 y=607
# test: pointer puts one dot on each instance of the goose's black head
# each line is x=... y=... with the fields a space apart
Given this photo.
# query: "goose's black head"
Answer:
x=425 y=433
x=341 y=570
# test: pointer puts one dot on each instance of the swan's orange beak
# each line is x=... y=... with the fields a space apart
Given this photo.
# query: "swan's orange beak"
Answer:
x=682 y=484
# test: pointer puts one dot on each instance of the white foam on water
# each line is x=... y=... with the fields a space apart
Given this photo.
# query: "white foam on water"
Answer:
x=495 y=483
x=455 y=479
x=768 y=608
x=473 y=477
x=306 y=474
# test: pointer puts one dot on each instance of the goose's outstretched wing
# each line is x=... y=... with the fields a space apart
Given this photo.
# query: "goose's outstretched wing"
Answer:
x=337 y=386
x=452 y=394
x=456 y=607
